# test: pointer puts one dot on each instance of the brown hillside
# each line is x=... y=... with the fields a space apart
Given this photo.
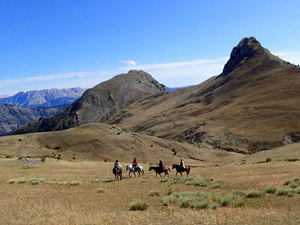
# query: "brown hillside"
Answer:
x=253 y=105
x=103 y=142
x=100 y=102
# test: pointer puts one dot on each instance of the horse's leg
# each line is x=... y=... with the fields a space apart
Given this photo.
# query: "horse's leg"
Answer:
x=181 y=174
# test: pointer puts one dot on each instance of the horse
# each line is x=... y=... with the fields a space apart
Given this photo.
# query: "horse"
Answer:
x=118 y=173
x=179 y=169
x=159 y=171
x=133 y=169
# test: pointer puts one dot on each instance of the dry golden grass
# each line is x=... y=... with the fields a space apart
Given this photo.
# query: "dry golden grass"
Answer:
x=82 y=204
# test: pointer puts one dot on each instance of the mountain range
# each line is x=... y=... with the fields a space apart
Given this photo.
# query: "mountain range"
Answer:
x=252 y=105
x=44 y=98
x=25 y=107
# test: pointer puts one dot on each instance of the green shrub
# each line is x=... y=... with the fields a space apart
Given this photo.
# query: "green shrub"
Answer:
x=254 y=194
x=154 y=193
x=287 y=182
x=26 y=166
x=197 y=182
x=203 y=200
x=101 y=190
x=215 y=186
x=170 y=199
x=74 y=183
x=138 y=205
x=270 y=190
x=286 y=192
x=165 y=179
x=293 y=185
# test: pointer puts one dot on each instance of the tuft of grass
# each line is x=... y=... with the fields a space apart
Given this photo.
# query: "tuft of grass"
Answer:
x=101 y=190
x=270 y=190
x=26 y=166
x=32 y=181
x=74 y=183
x=215 y=186
x=286 y=192
x=254 y=194
x=154 y=193
x=164 y=180
x=138 y=205
x=293 y=185
x=287 y=182
x=197 y=182
x=170 y=199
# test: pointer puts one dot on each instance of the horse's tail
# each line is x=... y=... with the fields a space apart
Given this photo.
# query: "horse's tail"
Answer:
x=169 y=169
x=189 y=170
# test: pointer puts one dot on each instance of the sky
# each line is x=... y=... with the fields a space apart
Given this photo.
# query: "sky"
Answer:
x=62 y=44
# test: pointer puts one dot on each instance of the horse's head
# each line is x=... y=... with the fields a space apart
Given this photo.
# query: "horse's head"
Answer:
x=127 y=167
x=150 y=168
x=174 y=166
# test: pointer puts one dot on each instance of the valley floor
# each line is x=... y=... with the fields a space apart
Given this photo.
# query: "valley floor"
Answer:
x=86 y=193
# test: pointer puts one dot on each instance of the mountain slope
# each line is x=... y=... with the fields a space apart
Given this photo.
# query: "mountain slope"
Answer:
x=99 y=103
x=44 y=98
x=13 y=117
x=254 y=104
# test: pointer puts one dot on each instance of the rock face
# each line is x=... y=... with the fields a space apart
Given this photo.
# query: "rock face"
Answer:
x=246 y=49
x=13 y=117
x=44 y=98
x=99 y=103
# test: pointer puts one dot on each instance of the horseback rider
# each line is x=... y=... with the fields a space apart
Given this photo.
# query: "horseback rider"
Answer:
x=161 y=166
x=182 y=164
x=135 y=163
x=117 y=165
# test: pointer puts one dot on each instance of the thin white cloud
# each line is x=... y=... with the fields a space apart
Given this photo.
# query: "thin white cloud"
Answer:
x=170 y=74
x=128 y=62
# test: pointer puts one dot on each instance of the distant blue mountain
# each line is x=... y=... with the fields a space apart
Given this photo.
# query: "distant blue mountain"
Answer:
x=44 y=98
x=175 y=88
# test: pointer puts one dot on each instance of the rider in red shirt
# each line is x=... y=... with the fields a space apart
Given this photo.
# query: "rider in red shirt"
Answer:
x=135 y=162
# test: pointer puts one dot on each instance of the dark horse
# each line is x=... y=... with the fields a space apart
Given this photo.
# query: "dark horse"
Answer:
x=159 y=171
x=118 y=173
x=179 y=169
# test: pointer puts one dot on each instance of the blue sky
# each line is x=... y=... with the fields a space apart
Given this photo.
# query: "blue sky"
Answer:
x=58 y=44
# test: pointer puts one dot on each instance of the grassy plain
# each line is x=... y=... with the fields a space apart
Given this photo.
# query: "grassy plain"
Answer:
x=96 y=198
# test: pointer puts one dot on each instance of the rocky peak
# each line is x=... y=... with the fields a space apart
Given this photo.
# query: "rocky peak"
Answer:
x=247 y=48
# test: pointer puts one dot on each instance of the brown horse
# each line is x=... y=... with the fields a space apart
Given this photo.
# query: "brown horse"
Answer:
x=179 y=169
x=159 y=171
x=118 y=173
